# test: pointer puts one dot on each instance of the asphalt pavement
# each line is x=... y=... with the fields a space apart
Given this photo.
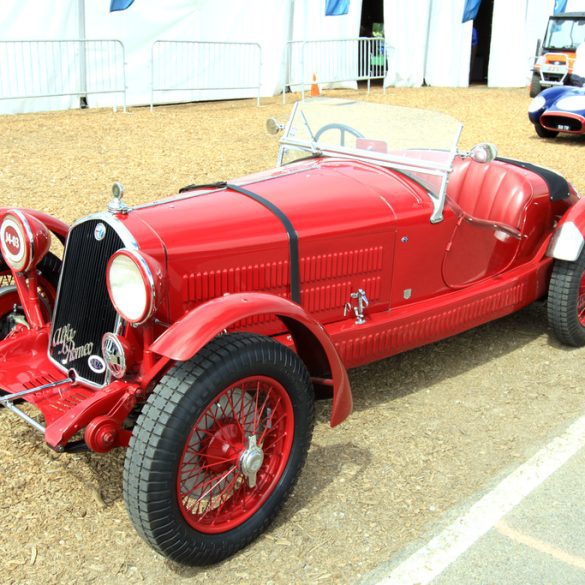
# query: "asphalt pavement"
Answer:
x=526 y=529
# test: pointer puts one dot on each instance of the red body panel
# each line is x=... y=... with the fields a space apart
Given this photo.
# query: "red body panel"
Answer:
x=576 y=214
x=359 y=226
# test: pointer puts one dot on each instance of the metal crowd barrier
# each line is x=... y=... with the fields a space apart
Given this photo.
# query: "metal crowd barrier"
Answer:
x=336 y=60
x=42 y=69
x=196 y=65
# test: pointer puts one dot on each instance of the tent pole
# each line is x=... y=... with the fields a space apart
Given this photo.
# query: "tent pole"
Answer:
x=430 y=3
x=82 y=55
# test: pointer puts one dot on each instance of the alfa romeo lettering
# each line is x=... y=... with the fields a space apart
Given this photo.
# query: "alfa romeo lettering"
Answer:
x=64 y=342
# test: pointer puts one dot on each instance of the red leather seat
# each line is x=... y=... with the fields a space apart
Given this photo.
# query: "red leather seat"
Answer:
x=495 y=192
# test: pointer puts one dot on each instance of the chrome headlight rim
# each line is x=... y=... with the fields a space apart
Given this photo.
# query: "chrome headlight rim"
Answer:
x=147 y=281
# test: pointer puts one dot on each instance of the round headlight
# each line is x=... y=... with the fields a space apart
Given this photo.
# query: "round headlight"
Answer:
x=572 y=103
x=24 y=240
x=132 y=286
x=536 y=104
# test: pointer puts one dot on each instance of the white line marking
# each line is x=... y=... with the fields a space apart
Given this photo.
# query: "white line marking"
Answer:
x=433 y=558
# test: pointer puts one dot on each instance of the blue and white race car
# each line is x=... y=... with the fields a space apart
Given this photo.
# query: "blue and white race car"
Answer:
x=558 y=109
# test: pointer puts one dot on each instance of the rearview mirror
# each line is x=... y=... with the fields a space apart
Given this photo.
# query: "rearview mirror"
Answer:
x=483 y=153
x=273 y=126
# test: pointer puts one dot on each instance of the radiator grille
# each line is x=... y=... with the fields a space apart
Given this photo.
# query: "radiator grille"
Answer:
x=83 y=311
x=561 y=123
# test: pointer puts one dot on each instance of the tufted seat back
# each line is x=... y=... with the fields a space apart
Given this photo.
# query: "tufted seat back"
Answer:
x=494 y=192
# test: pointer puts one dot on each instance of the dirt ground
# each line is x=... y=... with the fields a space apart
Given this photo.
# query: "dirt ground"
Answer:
x=430 y=428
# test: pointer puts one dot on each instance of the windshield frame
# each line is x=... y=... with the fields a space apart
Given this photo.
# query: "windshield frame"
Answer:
x=403 y=164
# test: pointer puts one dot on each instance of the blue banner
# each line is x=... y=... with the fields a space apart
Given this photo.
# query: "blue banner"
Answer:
x=336 y=7
x=470 y=9
x=120 y=5
x=560 y=6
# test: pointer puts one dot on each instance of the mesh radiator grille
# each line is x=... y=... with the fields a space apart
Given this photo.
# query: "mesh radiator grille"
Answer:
x=84 y=312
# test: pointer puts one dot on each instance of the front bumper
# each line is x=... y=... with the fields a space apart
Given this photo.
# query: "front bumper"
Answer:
x=66 y=405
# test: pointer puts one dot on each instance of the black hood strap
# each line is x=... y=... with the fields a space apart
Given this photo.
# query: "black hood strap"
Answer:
x=293 y=240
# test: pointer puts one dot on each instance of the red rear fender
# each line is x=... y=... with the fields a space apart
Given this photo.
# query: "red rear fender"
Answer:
x=569 y=237
x=190 y=333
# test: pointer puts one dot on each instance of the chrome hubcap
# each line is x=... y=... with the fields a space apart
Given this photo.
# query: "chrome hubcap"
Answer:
x=251 y=460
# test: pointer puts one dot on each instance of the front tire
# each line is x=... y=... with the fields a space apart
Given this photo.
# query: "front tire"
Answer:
x=543 y=132
x=218 y=448
x=566 y=301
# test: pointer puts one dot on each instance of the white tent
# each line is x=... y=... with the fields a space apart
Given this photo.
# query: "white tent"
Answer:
x=431 y=45
x=253 y=21
x=428 y=42
x=265 y=22
x=47 y=24
x=309 y=23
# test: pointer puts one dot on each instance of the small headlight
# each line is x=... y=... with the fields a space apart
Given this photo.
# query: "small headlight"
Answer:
x=572 y=103
x=536 y=104
x=24 y=240
x=131 y=286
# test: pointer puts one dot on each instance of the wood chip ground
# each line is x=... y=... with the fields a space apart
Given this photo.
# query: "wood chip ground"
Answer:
x=431 y=427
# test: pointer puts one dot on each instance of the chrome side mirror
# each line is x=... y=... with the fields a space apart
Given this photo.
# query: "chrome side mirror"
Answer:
x=483 y=153
x=273 y=126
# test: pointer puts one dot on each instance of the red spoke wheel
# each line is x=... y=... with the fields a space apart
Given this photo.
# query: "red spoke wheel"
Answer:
x=235 y=454
x=218 y=448
x=566 y=301
x=48 y=278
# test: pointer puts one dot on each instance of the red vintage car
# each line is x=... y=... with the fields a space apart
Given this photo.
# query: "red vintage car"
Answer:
x=196 y=330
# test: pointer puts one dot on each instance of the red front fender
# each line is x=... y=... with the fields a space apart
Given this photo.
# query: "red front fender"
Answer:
x=59 y=228
x=190 y=333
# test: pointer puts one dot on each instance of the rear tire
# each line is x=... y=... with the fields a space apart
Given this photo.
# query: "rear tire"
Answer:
x=566 y=301
x=543 y=132
x=218 y=448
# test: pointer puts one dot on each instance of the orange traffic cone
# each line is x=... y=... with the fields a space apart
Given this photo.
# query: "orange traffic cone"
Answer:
x=315 y=91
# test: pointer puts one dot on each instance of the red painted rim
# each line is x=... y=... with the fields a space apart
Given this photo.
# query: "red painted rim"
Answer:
x=581 y=301
x=214 y=495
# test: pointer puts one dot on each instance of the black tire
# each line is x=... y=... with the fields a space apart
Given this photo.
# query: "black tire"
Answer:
x=535 y=87
x=48 y=268
x=543 y=132
x=563 y=304
x=168 y=425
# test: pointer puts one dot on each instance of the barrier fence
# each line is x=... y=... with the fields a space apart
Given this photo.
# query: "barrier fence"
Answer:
x=332 y=61
x=195 y=65
x=42 y=69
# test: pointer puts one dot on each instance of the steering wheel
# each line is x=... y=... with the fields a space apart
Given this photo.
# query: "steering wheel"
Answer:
x=342 y=130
